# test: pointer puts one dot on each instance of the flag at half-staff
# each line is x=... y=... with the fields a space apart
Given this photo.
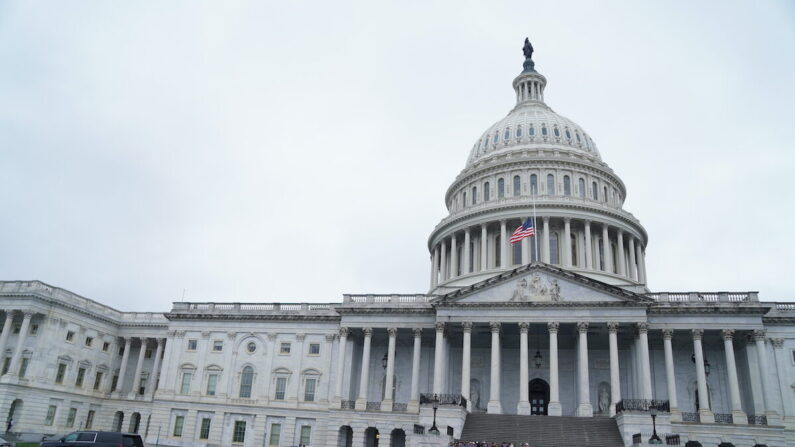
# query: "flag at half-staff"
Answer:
x=524 y=230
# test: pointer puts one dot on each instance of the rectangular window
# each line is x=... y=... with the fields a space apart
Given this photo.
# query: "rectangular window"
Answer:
x=89 y=341
x=34 y=329
x=306 y=434
x=204 y=431
x=276 y=432
x=192 y=343
x=61 y=373
x=70 y=418
x=239 y=434
x=114 y=382
x=105 y=346
x=281 y=386
x=142 y=386
x=218 y=345
x=70 y=336
x=179 y=421
x=48 y=420
x=314 y=348
x=212 y=381
x=23 y=367
x=6 y=365
x=81 y=374
x=98 y=380
x=89 y=419
x=185 y=388
x=284 y=348
x=148 y=354
x=309 y=390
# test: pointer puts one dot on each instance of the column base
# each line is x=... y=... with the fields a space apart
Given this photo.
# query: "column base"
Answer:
x=773 y=418
x=336 y=402
x=413 y=406
x=494 y=407
x=361 y=405
x=523 y=408
x=555 y=409
x=386 y=405
x=739 y=417
x=706 y=416
x=585 y=410
x=676 y=415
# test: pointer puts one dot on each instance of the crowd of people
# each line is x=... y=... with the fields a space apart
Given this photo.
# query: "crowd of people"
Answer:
x=486 y=444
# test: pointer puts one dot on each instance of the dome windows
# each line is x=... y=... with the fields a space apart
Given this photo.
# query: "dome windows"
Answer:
x=568 y=134
x=577 y=134
x=566 y=185
x=582 y=188
x=551 y=184
x=531 y=130
x=496 y=137
x=486 y=192
x=595 y=191
x=517 y=185
x=544 y=130
x=556 y=131
x=519 y=131
x=474 y=195
x=533 y=184
x=465 y=199
x=501 y=188
x=507 y=135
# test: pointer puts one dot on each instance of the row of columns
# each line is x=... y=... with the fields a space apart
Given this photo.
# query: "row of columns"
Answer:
x=144 y=342
x=16 y=356
x=441 y=272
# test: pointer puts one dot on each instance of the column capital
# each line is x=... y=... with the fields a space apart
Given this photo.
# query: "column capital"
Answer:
x=392 y=331
x=620 y=232
x=553 y=327
x=439 y=326
x=697 y=333
x=417 y=332
x=503 y=221
x=728 y=334
x=484 y=225
x=567 y=219
x=495 y=326
x=667 y=334
x=272 y=336
x=27 y=313
x=300 y=337
x=582 y=326
x=778 y=343
x=759 y=334
x=367 y=331
x=344 y=331
x=330 y=337
x=612 y=327
x=587 y=222
x=642 y=327
x=546 y=219
x=467 y=325
x=524 y=327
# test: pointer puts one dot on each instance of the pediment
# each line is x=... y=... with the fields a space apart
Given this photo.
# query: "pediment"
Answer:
x=541 y=283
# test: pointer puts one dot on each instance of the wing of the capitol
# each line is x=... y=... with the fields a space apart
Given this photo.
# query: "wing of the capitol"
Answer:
x=554 y=340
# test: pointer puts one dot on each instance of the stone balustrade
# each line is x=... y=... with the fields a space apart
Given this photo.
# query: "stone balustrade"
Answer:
x=701 y=297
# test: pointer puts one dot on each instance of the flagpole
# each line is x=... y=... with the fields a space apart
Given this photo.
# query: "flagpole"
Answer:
x=535 y=227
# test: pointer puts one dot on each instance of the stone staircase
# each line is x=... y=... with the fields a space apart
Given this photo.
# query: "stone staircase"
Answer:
x=542 y=431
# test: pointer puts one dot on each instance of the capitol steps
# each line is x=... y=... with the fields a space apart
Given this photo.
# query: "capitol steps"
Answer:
x=542 y=431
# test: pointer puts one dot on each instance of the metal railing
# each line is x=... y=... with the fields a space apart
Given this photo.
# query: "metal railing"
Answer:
x=444 y=399
x=373 y=406
x=637 y=438
x=348 y=405
x=419 y=429
x=724 y=418
x=690 y=417
x=672 y=440
x=400 y=407
x=757 y=419
x=643 y=405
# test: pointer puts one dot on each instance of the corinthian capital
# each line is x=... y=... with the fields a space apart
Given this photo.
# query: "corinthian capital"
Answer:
x=642 y=327
x=344 y=332
x=367 y=331
x=697 y=334
x=667 y=334
x=728 y=334
x=582 y=326
x=612 y=327
x=392 y=331
x=553 y=327
x=759 y=334
x=524 y=327
x=417 y=332
x=439 y=326
x=495 y=326
x=467 y=325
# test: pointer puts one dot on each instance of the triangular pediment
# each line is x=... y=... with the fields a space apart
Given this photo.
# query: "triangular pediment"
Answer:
x=541 y=283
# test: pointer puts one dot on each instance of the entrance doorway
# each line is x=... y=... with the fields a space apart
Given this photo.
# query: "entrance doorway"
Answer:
x=539 y=396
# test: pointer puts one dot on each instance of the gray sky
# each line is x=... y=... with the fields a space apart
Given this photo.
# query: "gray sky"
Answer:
x=293 y=151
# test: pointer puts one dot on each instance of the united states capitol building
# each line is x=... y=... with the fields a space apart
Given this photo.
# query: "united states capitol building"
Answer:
x=558 y=330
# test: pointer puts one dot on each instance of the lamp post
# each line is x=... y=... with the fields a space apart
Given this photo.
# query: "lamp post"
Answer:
x=435 y=402
x=654 y=438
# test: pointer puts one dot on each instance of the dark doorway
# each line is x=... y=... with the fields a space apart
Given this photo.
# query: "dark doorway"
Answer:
x=371 y=437
x=539 y=396
x=397 y=438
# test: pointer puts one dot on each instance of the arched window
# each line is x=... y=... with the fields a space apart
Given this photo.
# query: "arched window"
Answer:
x=501 y=188
x=533 y=184
x=246 y=380
x=604 y=195
x=566 y=185
x=573 y=249
x=497 y=251
x=595 y=191
x=577 y=134
x=568 y=134
x=531 y=131
x=518 y=131
x=556 y=131
x=582 y=188
x=486 y=192
x=474 y=195
x=554 y=253
x=550 y=184
x=465 y=198
x=507 y=135
x=517 y=185
x=486 y=141
x=496 y=137
x=544 y=130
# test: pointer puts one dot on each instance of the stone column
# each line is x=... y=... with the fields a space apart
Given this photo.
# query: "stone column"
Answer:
x=545 y=242
x=567 y=242
x=138 y=370
x=341 y=365
x=484 y=248
x=608 y=257
x=364 y=380
x=7 y=328
x=588 y=246
x=155 y=376
x=16 y=357
x=414 y=397
x=622 y=268
x=670 y=375
x=703 y=396
x=453 y=257
x=781 y=362
x=435 y=267
x=523 y=407
x=645 y=364
x=615 y=382
x=504 y=259
x=389 y=398
x=767 y=391
x=642 y=262
x=734 y=387
x=467 y=253
x=584 y=409
x=494 y=405
x=443 y=262
x=438 y=359
x=466 y=362
x=554 y=408
x=639 y=260
x=633 y=268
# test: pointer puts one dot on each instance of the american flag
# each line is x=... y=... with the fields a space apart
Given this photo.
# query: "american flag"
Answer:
x=524 y=230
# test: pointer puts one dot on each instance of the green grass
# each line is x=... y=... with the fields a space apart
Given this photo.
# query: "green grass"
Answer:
x=27 y=444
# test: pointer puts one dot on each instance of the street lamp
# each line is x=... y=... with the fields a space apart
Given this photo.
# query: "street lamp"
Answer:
x=435 y=401
x=384 y=361
x=654 y=438
x=537 y=359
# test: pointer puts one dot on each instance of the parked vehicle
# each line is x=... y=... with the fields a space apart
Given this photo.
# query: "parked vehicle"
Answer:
x=4 y=443
x=96 y=439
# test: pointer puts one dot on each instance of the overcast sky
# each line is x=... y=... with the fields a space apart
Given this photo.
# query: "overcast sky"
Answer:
x=293 y=151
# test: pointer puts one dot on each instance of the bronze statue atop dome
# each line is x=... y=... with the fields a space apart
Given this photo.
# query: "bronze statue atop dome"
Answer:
x=527 y=49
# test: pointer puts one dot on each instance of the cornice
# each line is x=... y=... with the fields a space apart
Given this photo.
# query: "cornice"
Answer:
x=683 y=309
x=779 y=320
x=250 y=317
x=370 y=309
x=544 y=304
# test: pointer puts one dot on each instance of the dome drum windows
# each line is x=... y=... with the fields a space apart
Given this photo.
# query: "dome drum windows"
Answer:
x=517 y=185
x=556 y=131
x=566 y=185
x=474 y=195
x=501 y=188
x=581 y=185
x=486 y=192
x=550 y=184
x=519 y=132
x=544 y=132
x=533 y=184
x=531 y=131
x=507 y=135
